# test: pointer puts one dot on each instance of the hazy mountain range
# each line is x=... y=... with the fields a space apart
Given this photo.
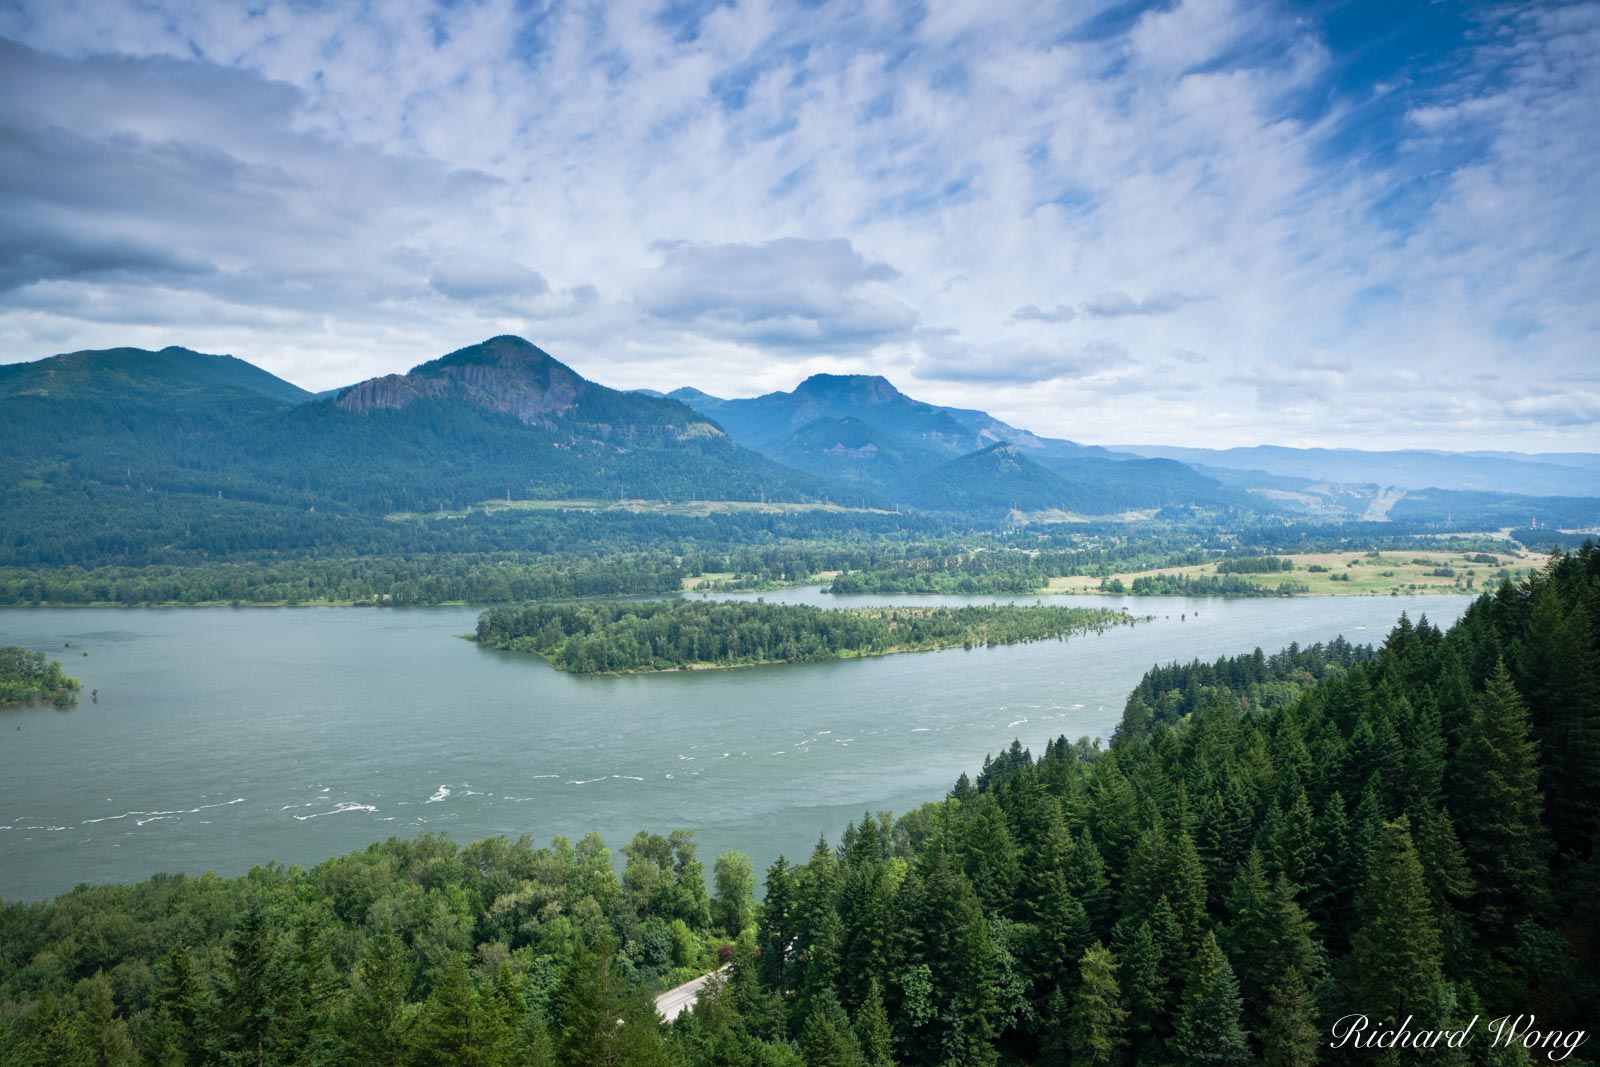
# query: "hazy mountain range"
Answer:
x=1540 y=474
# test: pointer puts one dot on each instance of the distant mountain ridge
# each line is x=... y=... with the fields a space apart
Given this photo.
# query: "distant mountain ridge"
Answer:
x=860 y=428
x=1558 y=474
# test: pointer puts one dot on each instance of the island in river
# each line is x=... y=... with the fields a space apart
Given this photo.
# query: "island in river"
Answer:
x=28 y=677
x=645 y=636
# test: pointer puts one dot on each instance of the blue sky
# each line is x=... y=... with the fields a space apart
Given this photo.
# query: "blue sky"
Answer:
x=1204 y=223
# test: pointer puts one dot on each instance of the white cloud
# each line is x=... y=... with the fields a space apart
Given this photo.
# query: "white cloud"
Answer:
x=346 y=189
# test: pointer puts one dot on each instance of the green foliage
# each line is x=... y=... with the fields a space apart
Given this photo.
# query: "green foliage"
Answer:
x=27 y=677
x=672 y=634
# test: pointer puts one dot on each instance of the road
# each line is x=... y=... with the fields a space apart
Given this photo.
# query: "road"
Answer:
x=674 y=1002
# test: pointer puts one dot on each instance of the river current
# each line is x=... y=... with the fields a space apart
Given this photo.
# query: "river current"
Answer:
x=223 y=738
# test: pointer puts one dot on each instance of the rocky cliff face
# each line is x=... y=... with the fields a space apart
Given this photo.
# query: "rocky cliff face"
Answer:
x=506 y=375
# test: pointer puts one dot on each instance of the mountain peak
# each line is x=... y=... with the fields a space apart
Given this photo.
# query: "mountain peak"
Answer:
x=505 y=374
x=861 y=388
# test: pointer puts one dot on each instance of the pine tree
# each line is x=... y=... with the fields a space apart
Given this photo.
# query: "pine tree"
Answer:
x=1395 y=963
x=1559 y=676
x=1209 y=1031
x=174 y=1036
x=1088 y=882
x=1289 y=1035
x=1496 y=803
x=827 y=1039
x=375 y=1019
x=872 y=1029
x=777 y=928
x=250 y=994
x=104 y=1033
x=1145 y=994
x=454 y=1028
x=1094 y=1032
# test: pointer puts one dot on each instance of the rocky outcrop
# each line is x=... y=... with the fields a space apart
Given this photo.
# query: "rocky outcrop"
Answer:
x=506 y=375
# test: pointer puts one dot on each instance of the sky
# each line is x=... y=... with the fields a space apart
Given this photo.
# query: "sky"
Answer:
x=1198 y=222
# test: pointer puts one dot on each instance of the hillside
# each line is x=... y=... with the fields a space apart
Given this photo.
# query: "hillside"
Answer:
x=1002 y=479
x=126 y=454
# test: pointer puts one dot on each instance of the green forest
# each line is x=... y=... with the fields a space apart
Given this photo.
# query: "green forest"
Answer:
x=676 y=634
x=1267 y=844
x=28 y=677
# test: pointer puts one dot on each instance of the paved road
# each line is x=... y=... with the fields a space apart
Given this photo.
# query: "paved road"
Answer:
x=674 y=1002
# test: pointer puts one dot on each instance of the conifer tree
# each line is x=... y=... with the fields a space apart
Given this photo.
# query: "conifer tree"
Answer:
x=1289 y=1033
x=1209 y=1031
x=1094 y=1032
x=1395 y=964
x=872 y=1029
x=174 y=1037
x=375 y=1021
x=250 y=993
x=827 y=1039
x=104 y=1033
x=1496 y=803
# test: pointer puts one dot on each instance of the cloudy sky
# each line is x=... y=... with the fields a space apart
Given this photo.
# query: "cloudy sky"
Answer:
x=1196 y=222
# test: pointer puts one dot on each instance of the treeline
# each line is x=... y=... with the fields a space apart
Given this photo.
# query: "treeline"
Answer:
x=1254 y=565
x=674 y=634
x=1011 y=571
x=382 y=580
x=28 y=677
x=1200 y=585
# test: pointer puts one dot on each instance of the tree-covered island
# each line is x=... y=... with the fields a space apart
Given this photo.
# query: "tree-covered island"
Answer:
x=27 y=677
x=601 y=638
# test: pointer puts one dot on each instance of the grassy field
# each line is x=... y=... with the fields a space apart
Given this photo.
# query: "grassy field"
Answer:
x=697 y=508
x=1359 y=573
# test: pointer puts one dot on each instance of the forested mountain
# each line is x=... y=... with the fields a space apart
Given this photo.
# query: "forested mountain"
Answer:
x=860 y=428
x=112 y=437
x=764 y=422
x=1269 y=843
x=1003 y=478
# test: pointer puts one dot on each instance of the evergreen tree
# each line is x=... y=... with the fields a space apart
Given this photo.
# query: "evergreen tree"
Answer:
x=375 y=1019
x=250 y=994
x=827 y=1039
x=1209 y=1031
x=1145 y=995
x=175 y=1036
x=1289 y=1033
x=1094 y=1032
x=1394 y=963
x=105 y=1037
x=872 y=1029
x=1496 y=804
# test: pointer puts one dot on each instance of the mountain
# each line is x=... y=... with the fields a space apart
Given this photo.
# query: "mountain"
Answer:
x=1003 y=478
x=764 y=422
x=1563 y=474
x=505 y=417
x=126 y=415
x=859 y=428
x=137 y=455
x=134 y=375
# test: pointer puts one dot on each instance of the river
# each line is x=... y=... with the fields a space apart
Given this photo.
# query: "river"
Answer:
x=228 y=737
